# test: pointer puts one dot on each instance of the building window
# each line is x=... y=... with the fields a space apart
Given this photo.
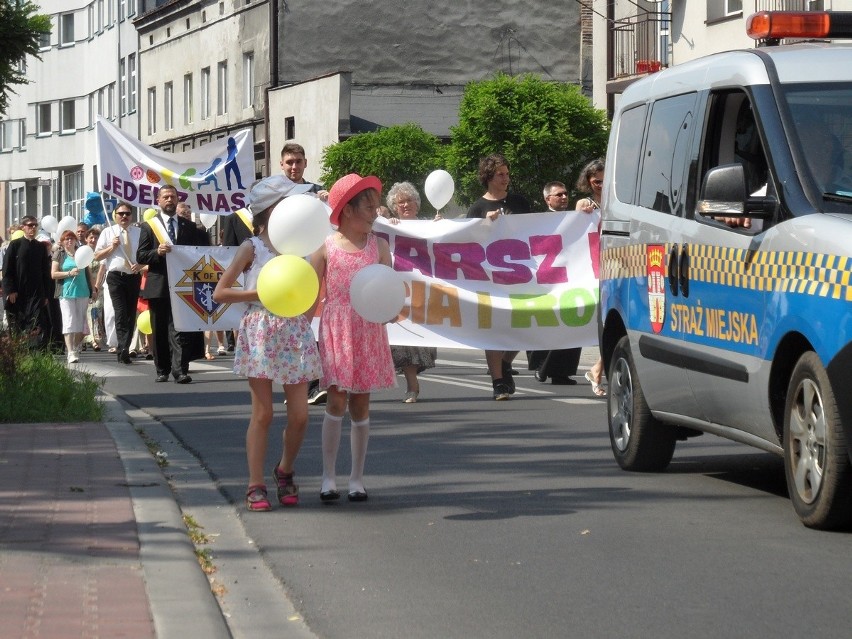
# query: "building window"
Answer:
x=44 y=41
x=100 y=15
x=168 y=106
x=222 y=89
x=66 y=30
x=72 y=188
x=131 y=82
x=44 y=127
x=91 y=109
x=205 y=93
x=152 y=111
x=6 y=134
x=67 y=123
x=131 y=8
x=122 y=86
x=188 y=111
x=122 y=10
x=90 y=13
x=22 y=134
x=19 y=203
x=721 y=9
x=111 y=101
x=248 y=79
x=289 y=128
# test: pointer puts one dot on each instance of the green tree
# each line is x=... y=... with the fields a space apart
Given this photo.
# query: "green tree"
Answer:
x=20 y=28
x=546 y=130
x=393 y=154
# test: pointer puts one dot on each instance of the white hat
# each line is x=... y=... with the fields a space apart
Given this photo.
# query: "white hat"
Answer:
x=269 y=191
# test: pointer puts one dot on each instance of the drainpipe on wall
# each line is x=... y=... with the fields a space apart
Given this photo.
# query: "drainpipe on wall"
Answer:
x=273 y=75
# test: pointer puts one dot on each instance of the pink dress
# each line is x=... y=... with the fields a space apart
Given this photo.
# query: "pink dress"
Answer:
x=355 y=353
x=282 y=349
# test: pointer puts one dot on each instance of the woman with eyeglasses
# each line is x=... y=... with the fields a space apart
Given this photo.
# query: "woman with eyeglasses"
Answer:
x=76 y=293
x=591 y=182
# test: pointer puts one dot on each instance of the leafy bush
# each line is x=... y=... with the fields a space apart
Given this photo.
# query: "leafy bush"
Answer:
x=36 y=387
x=546 y=130
x=393 y=154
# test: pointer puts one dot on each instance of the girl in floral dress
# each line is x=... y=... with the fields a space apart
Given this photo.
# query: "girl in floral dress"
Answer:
x=355 y=353
x=269 y=349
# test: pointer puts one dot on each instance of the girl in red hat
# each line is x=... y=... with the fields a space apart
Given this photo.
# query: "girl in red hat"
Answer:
x=356 y=357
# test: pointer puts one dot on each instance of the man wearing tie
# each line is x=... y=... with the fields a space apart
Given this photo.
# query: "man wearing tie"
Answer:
x=172 y=350
x=117 y=245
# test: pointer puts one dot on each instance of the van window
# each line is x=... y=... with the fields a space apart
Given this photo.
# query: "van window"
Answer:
x=629 y=144
x=823 y=123
x=665 y=157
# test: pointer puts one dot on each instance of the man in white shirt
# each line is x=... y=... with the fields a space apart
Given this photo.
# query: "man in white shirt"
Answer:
x=117 y=245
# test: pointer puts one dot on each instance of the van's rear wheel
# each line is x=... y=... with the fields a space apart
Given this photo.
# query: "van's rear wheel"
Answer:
x=639 y=441
x=816 y=460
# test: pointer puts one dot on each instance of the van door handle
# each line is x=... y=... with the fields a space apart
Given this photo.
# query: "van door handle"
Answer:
x=683 y=270
x=673 y=270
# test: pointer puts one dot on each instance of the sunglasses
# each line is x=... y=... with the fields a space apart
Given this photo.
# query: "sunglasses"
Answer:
x=124 y=213
x=30 y=224
x=560 y=194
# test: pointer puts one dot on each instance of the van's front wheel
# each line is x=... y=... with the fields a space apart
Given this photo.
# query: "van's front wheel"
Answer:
x=816 y=461
x=639 y=441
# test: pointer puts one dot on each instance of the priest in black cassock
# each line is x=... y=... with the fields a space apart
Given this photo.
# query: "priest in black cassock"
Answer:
x=27 y=286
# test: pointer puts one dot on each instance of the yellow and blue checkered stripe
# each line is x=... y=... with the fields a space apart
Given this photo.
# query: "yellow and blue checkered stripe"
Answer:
x=802 y=272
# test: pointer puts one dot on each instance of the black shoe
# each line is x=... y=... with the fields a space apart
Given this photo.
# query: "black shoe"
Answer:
x=563 y=381
x=149 y=356
x=330 y=495
x=124 y=358
x=317 y=396
x=162 y=378
x=183 y=379
x=357 y=495
x=501 y=390
x=507 y=377
x=133 y=354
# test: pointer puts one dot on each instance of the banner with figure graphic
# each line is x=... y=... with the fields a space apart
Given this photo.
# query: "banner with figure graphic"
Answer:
x=193 y=274
x=214 y=178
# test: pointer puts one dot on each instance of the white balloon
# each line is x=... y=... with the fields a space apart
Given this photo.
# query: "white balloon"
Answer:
x=49 y=223
x=377 y=293
x=67 y=223
x=439 y=188
x=83 y=257
x=208 y=220
x=298 y=225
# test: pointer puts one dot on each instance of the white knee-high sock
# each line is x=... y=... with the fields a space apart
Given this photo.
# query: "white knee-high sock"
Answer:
x=331 y=427
x=359 y=437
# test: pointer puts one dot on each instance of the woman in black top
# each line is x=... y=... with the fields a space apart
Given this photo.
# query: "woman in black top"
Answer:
x=494 y=176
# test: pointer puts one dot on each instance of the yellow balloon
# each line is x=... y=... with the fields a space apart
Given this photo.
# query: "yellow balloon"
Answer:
x=287 y=285
x=17 y=234
x=143 y=323
x=148 y=214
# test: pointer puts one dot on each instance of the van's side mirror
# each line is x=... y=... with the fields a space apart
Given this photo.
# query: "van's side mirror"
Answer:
x=723 y=191
x=723 y=194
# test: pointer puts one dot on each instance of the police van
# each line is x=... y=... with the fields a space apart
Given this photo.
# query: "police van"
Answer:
x=726 y=259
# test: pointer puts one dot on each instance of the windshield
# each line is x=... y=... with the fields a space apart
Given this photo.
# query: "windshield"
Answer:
x=822 y=117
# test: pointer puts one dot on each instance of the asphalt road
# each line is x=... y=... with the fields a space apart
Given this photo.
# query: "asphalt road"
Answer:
x=512 y=519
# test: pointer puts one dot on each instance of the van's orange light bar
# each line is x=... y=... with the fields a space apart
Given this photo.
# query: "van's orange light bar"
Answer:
x=775 y=25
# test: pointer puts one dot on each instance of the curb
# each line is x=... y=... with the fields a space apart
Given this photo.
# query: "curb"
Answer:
x=254 y=602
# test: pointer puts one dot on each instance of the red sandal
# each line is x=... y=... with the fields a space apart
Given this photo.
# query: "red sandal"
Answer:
x=288 y=491
x=257 y=499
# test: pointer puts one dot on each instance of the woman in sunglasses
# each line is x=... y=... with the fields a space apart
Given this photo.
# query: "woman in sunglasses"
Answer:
x=76 y=292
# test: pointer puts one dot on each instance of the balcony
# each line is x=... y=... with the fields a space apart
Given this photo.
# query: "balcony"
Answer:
x=638 y=44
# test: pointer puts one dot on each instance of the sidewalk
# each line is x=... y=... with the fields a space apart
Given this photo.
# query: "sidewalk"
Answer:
x=92 y=543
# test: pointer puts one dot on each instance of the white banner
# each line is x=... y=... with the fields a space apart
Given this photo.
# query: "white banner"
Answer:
x=193 y=274
x=214 y=178
x=522 y=282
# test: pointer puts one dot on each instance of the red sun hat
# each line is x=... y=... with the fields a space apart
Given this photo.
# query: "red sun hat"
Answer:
x=345 y=189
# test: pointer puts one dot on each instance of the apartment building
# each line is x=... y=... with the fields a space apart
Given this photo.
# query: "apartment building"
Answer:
x=89 y=66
